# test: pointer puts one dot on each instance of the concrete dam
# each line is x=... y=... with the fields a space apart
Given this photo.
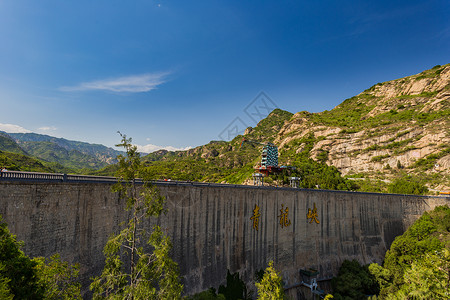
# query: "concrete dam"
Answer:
x=214 y=227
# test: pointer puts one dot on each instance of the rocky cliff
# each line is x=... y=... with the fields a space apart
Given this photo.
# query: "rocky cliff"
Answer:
x=399 y=124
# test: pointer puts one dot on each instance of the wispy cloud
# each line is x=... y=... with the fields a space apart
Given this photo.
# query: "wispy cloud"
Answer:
x=149 y=148
x=131 y=84
x=48 y=128
x=11 y=128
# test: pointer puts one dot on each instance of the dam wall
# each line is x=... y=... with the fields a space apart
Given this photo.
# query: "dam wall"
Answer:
x=216 y=227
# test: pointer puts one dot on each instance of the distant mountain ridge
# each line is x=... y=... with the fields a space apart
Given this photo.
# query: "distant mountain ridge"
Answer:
x=60 y=154
x=101 y=152
x=9 y=145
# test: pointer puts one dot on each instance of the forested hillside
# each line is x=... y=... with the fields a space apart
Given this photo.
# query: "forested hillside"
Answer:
x=57 y=154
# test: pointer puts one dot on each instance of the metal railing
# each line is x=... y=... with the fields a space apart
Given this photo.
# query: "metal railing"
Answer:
x=53 y=177
x=59 y=177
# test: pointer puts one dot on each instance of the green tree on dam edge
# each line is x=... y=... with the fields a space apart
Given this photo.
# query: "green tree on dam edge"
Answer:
x=149 y=275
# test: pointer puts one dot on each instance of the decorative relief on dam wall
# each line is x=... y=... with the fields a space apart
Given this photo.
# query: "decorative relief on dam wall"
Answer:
x=216 y=227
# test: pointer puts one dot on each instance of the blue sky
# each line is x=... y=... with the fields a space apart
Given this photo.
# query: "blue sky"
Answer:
x=183 y=73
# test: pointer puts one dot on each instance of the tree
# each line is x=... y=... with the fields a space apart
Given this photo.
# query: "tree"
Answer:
x=271 y=286
x=18 y=276
x=428 y=278
x=407 y=185
x=24 y=278
x=235 y=288
x=353 y=281
x=58 y=277
x=417 y=266
x=209 y=294
x=5 y=292
x=131 y=272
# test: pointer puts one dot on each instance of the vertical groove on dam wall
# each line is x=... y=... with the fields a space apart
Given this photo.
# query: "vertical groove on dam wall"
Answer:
x=212 y=229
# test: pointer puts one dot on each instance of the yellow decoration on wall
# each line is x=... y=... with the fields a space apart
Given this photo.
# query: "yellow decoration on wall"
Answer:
x=284 y=220
x=313 y=214
x=255 y=217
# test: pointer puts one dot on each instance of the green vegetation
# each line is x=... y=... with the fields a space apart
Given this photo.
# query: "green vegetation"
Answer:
x=371 y=185
x=235 y=288
x=7 y=144
x=268 y=128
x=417 y=266
x=217 y=161
x=270 y=286
x=407 y=185
x=429 y=161
x=352 y=115
x=354 y=282
x=18 y=271
x=379 y=157
x=58 y=277
x=207 y=295
x=51 y=152
x=56 y=154
x=145 y=275
x=19 y=162
x=403 y=118
x=268 y=282
x=435 y=71
x=418 y=263
x=86 y=148
x=313 y=173
x=24 y=278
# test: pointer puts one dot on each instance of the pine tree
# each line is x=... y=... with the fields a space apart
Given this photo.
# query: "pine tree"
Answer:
x=270 y=287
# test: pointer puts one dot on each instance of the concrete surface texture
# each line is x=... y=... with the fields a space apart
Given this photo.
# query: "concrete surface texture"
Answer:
x=215 y=228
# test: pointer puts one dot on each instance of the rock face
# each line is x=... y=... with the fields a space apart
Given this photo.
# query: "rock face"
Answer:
x=403 y=123
x=399 y=125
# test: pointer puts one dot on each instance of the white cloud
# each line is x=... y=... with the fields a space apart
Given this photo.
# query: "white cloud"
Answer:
x=130 y=84
x=11 y=128
x=48 y=128
x=149 y=148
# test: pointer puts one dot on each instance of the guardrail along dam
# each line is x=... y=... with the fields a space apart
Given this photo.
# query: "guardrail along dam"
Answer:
x=215 y=227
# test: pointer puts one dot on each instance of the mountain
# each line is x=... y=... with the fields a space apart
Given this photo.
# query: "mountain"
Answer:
x=19 y=162
x=217 y=161
x=52 y=152
x=399 y=126
x=13 y=157
x=58 y=154
x=7 y=144
x=100 y=152
x=395 y=130
x=392 y=137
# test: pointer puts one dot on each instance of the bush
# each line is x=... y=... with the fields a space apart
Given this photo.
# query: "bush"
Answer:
x=235 y=288
x=24 y=278
x=208 y=295
x=270 y=286
x=408 y=256
x=354 y=282
x=407 y=185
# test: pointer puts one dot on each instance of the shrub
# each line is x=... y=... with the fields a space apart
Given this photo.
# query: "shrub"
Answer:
x=354 y=281
x=270 y=286
x=407 y=185
x=409 y=259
